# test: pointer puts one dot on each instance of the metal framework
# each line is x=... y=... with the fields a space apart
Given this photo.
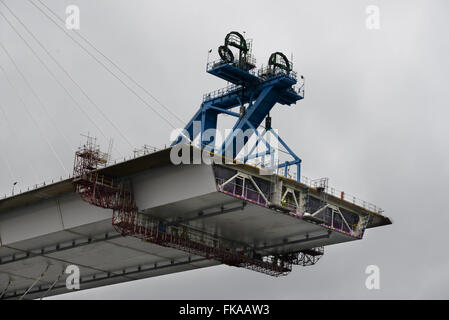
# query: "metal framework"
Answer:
x=333 y=218
x=186 y=239
x=307 y=257
x=255 y=92
x=102 y=191
x=243 y=186
x=301 y=204
x=94 y=188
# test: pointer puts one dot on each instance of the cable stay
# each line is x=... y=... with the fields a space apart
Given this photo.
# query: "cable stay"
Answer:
x=11 y=132
x=70 y=95
x=8 y=166
x=67 y=74
x=76 y=103
x=116 y=66
x=134 y=92
x=32 y=118
x=39 y=100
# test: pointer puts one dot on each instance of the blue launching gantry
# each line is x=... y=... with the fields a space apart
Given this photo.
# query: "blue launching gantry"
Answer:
x=255 y=92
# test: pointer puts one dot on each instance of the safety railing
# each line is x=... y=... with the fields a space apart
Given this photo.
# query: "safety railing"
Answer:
x=345 y=196
x=215 y=63
x=269 y=72
x=336 y=193
x=250 y=60
x=146 y=149
x=19 y=190
x=221 y=92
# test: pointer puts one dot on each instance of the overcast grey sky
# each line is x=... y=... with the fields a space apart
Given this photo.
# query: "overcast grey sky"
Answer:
x=374 y=120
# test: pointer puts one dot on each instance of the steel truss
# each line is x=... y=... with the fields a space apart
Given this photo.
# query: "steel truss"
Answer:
x=244 y=190
x=307 y=257
x=337 y=221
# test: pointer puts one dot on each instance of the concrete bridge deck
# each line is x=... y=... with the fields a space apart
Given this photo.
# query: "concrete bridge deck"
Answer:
x=42 y=231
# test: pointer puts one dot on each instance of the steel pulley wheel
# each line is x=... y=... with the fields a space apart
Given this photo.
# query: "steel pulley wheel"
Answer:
x=278 y=59
x=225 y=54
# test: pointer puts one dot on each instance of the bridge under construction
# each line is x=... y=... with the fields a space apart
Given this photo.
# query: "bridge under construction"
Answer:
x=148 y=216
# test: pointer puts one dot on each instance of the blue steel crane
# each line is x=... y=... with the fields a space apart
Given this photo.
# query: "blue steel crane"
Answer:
x=256 y=92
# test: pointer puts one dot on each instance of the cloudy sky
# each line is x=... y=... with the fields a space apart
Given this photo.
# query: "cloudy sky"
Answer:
x=374 y=120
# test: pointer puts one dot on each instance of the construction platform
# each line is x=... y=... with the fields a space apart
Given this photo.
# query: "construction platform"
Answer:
x=239 y=216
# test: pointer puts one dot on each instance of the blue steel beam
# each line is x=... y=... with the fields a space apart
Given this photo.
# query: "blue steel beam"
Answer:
x=253 y=117
x=260 y=92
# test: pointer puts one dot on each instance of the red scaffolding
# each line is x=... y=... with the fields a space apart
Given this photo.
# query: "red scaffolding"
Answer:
x=194 y=242
x=94 y=187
